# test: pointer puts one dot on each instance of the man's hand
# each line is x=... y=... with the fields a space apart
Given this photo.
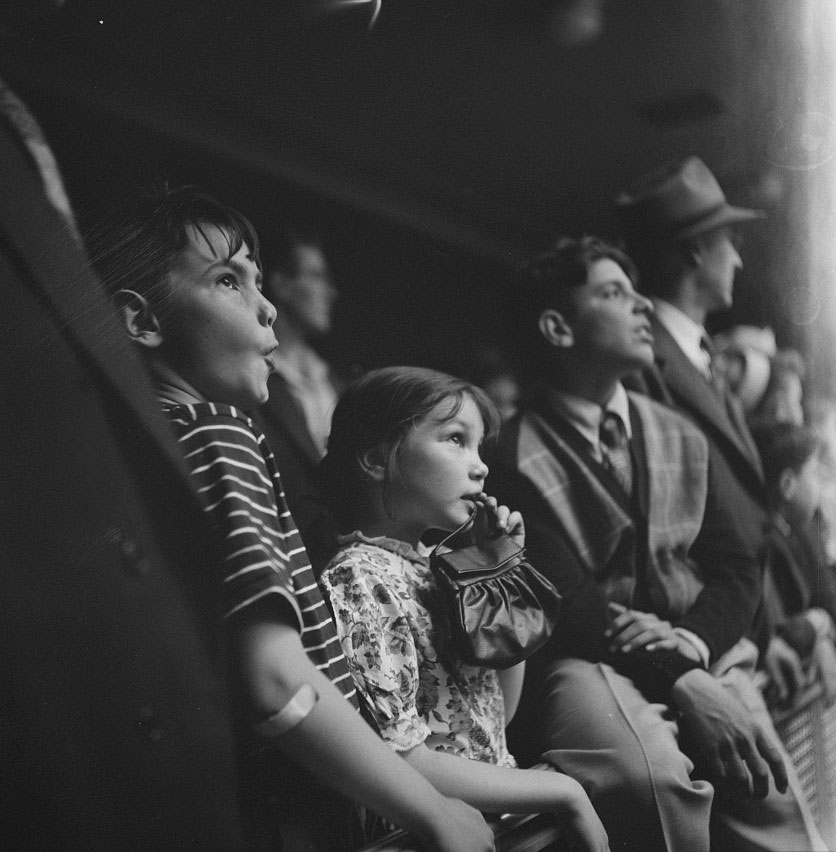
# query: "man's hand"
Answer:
x=632 y=630
x=724 y=739
x=784 y=668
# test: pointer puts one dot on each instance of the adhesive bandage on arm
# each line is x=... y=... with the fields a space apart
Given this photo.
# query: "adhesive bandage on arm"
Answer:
x=295 y=711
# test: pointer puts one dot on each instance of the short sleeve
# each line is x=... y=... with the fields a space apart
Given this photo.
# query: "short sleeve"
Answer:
x=233 y=483
x=377 y=641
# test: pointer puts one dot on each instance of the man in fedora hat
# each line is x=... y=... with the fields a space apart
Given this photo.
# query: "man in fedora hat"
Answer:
x=682 y=234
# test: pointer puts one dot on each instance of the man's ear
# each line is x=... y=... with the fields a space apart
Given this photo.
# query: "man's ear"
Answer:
x=693 y=251
x=787 y=483
x=373 y=465
x=554 y=328
x=139 y=319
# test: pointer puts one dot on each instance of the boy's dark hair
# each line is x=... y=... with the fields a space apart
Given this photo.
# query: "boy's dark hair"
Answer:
x=136 y=244
x=376 y=412
x=545 y=281
x=784 y=446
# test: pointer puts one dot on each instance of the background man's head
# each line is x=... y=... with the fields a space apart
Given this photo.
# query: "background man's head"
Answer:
x=791 y=455
x=679 y=227
x=298 y=280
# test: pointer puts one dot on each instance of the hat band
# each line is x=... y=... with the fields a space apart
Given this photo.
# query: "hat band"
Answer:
x=687 y=224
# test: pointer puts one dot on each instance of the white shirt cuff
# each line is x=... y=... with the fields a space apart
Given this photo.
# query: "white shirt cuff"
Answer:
x=699 y=646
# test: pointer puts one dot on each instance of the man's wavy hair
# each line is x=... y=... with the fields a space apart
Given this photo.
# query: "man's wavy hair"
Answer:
x=546 y=281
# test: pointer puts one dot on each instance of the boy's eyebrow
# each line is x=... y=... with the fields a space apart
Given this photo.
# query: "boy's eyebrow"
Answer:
x=236 y=266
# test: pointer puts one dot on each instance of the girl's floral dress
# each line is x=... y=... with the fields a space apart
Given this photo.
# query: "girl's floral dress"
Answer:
x=382 y=594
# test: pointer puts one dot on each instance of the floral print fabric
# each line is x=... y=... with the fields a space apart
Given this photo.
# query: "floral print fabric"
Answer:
x=382 y=592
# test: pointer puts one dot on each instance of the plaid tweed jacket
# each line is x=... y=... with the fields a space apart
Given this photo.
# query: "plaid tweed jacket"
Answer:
x=673 y=487
x=675 y=551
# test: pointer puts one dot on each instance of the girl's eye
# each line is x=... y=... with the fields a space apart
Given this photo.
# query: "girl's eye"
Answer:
x=228 y=281
x=457 y=438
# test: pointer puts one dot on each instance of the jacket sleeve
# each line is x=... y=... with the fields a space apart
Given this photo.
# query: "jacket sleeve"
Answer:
x=725 y=609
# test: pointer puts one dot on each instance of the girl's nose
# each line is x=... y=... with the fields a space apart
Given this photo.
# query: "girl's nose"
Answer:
x=480 y=470
x=642 y=303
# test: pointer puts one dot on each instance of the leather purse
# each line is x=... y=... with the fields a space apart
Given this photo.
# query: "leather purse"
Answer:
x=496 y=608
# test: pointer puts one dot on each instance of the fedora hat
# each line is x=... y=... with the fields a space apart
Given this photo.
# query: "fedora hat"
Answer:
x=676 y=202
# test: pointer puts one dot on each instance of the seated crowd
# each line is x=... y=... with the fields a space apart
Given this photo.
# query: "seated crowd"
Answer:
x=689 y=546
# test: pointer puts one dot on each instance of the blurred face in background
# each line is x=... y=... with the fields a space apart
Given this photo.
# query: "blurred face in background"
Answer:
x=783 y=403
x=308 y=295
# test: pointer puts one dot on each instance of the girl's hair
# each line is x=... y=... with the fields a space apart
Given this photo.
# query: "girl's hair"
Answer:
x=377 y=412
x=136 y=244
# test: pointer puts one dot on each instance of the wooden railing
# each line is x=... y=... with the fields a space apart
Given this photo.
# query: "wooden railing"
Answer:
x=513 y=833
x=808 y=731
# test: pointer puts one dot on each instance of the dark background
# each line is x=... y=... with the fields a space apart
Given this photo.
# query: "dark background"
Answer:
x=434 y=150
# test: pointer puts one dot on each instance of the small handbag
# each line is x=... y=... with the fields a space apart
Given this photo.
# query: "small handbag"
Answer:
x=496 y=608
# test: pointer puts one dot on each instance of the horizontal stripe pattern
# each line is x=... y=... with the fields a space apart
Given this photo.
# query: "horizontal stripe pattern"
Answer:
x=239 y=484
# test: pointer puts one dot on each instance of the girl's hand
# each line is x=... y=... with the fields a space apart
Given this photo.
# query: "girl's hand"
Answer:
x=582 y=816
x=631 y=630
x=461 y=828
x=502 y=520
x=589 y=827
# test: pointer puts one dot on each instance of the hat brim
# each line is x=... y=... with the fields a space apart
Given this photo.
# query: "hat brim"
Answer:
x=726 y=215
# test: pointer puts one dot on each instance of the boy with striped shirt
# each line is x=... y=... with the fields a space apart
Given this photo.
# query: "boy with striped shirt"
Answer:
x=184 y=272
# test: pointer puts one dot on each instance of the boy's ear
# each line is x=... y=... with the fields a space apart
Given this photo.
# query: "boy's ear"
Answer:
x=139 y=319
x=554 y=328
x=787 y=483
x=372 y=463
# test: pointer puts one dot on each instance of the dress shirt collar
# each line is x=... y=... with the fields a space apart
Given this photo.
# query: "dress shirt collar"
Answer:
x=586 y=415
x=687 y=334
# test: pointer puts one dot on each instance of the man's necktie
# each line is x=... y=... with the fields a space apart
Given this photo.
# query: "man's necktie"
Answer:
x=712 y=373
x=732 y=404
x=615 y=449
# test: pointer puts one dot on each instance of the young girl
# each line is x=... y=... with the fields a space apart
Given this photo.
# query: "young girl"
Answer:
x=403 y=458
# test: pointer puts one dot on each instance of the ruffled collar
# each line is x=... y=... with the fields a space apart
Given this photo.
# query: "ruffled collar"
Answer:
x=393 y=545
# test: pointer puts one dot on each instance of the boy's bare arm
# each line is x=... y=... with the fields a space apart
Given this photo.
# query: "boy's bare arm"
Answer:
x=338 y=747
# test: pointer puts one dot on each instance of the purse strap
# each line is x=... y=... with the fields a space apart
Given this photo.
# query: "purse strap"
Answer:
x=460 y=529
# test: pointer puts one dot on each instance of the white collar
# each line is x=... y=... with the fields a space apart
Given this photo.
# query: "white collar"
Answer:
x=687 y=334
x=586 y=415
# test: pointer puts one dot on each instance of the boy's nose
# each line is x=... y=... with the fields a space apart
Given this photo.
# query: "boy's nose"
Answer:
x=266 y=311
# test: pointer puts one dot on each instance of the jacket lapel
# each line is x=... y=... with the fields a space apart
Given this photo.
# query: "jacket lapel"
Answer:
x=285 y=413
x=59 y=270
x=693 y=392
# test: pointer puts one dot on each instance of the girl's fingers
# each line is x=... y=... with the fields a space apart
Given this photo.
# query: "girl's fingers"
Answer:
x=502 y=514
x=515 y=522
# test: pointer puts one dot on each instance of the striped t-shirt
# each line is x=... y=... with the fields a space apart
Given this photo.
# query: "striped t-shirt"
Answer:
x=239 y=485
